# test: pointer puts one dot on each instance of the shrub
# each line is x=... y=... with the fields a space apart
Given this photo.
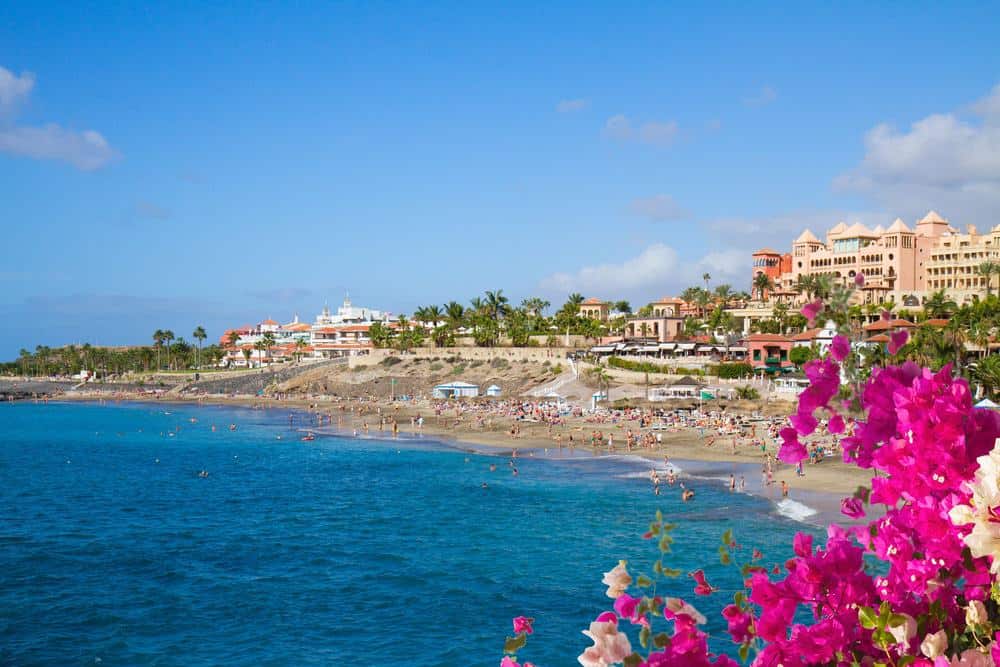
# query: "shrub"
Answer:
x=476 y=364
x=557 y=369
x=458 y=369
x=390 y=361
x=735 y=370
x=638 y=366
x=436 y=366
x=747 y=393
x=497 y=362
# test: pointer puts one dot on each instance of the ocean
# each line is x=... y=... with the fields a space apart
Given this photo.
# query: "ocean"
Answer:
x=114 y=550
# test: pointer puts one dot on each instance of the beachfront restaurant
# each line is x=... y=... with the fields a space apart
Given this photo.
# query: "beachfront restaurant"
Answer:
x=456 y=390
x=686 y=387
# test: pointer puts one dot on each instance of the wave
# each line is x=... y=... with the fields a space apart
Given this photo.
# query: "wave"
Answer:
x=794 y=510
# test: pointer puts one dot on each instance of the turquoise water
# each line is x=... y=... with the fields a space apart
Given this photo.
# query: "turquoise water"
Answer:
x=338 y=551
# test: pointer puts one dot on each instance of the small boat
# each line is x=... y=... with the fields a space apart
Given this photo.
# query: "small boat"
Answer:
x=308 y=438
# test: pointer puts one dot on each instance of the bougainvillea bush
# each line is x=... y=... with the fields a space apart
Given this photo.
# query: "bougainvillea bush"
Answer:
x=916 y=586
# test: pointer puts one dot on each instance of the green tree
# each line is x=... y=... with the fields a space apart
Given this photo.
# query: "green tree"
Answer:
x=939 y=304
x=623 y=307
x=200 y=335
x=986 y=270
x=762 y=283
x=158 y=337
x=168 y=337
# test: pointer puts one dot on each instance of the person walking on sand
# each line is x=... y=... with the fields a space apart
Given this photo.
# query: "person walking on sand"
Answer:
x=784 y=489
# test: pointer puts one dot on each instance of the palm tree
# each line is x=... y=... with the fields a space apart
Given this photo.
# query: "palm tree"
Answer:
x=233 y=338
x=455 y=312
x=268 y=340
x=623 y=307
x=497 y=305
x=168 y=336
x=987 y=269
x=247 y=353
x=805 y=285
x=158 y=337
x=300 y=346
x=535 y=306
x=939 y=304
x=477 y=305
x=762 y=283
x=260 y=346
x=724 y=293
x=575 y=298
x=706 y=277
x=987 y=373
x=200 y=335
x=433 y=314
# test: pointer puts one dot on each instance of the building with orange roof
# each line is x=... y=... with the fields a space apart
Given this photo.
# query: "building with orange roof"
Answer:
x=897 y=262
x=595 y=309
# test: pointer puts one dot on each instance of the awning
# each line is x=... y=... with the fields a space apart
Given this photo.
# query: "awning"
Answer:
x=603 y=348
x=685 y=346
x=649 y=348
x=667 y=346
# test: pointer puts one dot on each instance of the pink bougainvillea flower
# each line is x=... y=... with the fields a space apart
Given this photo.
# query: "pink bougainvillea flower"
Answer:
x=812 y=310
x=703 y=587
x=507 y=661
x=626 y=606
x=859 y=280
x=852 y=507
x=523 y=624
x=840 y=347
x=897 y=339
x=886 y=315
x=792 y=451
x=835 y=425
x=676 y=606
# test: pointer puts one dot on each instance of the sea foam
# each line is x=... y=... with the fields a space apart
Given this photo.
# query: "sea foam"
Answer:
x=794 y=510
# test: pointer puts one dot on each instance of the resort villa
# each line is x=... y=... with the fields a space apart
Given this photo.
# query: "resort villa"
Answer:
x=898 y=263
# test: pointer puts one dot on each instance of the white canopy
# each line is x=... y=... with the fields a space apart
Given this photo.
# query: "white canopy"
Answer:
x=987 y=403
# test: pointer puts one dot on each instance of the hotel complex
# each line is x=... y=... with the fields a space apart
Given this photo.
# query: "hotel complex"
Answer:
x=900 y=264
x=339 y=334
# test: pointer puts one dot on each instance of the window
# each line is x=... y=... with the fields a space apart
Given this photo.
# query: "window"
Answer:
x=756 y=355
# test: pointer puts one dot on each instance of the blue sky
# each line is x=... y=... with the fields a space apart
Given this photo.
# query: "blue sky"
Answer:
x=171 y=165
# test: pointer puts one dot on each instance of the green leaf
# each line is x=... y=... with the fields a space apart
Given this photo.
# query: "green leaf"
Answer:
x=906 y=660
x=644 y=636
x=727 y=537
x=661 y=639
x=670 y=572
x=513 y=644
x=633 y=660
x=866 y=616
x=665 y=543
x=659 y=516
x=896 y=620
x=643 y=581
x=739 y=597
x=744 y=652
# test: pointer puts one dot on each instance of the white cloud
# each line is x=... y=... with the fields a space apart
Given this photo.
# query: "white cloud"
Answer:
x=943 y=161
x=87 y=150
x=778 y=231
x=761 y=98
x=653 y=133
x=570 y=106
x=14 y=89
x=659 y=208
x=654 y=272
x=653 y=266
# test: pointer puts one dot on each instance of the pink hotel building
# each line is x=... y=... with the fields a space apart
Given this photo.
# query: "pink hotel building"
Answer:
x=900 y=264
